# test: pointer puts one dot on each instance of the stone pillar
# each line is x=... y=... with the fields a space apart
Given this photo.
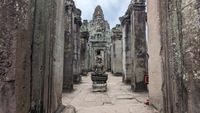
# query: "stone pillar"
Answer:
x=16 y=19
x=27 y=49
x=69 y=45
x=84 y=40
x=58 y=56
x=154 y=49
x=117 y=51
x=126 y=40
x=77 y=47
x=139 y=45
x=46 y=75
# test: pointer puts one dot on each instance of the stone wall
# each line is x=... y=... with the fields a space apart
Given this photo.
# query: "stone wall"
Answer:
x=180 y=55
x=16 y=28
x=154 y=49
x=30 y=78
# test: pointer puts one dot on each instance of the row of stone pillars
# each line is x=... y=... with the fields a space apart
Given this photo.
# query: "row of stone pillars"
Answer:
x=129 y=47
x=40 y=49
x=173 y=52
x=72 y=52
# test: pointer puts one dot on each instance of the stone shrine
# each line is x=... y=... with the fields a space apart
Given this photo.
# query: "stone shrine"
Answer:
x=99 y=41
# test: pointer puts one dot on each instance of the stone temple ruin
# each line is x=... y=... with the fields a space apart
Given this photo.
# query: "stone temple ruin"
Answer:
x=45 y=48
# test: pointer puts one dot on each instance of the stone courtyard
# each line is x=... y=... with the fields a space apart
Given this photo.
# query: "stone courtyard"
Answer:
x=117 y=99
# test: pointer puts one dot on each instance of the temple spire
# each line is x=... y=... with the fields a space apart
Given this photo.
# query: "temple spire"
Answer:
x=98 y=13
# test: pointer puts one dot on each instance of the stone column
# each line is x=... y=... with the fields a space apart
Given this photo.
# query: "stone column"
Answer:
x=139 y=45
x=126 y=39
x=69 y=45
x=84 y=52
x=117 y=50
x=76 y=57
x=58 y=56
x=27 y=70
x=154 y=50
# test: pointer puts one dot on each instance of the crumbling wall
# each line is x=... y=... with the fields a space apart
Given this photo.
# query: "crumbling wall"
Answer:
x=180 y=55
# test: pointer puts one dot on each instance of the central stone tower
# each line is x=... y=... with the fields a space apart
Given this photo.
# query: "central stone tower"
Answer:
x=99 y=40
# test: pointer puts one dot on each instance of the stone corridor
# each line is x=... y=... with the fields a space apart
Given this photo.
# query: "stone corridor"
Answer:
x=118 y=99
x=47 y=48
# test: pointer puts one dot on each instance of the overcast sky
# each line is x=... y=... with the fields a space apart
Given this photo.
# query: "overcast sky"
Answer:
x=113 y=9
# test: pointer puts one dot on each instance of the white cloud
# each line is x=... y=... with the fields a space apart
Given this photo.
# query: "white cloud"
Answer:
x=113 y=9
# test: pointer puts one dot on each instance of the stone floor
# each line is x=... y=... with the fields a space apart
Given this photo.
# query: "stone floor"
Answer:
x=117 y=99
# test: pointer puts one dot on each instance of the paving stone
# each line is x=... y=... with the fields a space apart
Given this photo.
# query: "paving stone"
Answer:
x=118 y=98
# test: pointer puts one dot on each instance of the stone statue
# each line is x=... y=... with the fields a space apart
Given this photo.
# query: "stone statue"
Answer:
x=99 y=77
x=99 y=67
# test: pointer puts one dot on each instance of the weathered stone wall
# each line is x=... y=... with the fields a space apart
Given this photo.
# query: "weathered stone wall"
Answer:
x=190 y=10
x=29 y=80
x=16 y=21
x=154 y=48
x=180 y=55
